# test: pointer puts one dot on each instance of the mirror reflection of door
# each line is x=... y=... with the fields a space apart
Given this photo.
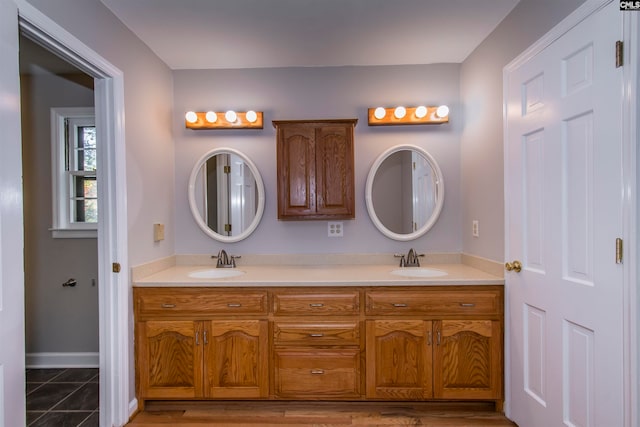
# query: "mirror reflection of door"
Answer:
x=423 y=184
x=232 y=194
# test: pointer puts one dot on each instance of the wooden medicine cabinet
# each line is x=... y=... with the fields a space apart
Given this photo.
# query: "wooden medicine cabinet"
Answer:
x=315 y=168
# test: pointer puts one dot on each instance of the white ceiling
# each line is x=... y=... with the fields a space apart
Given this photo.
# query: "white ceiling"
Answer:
x=209 y=34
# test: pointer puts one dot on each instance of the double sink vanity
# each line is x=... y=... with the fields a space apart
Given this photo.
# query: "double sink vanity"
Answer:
x=349 y=327
x=352 y=331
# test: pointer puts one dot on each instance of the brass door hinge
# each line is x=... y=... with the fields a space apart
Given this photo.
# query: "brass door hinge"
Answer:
x=227 y=227
x=115 y=267
x=619 y=251
x=227 y=169
x=619 y=54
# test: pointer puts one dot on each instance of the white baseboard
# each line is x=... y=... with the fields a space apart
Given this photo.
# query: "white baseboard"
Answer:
x=133 y=407
x=62 y=360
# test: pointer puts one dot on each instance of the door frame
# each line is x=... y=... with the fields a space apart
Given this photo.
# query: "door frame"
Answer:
x=630 y=160
x=113 y=291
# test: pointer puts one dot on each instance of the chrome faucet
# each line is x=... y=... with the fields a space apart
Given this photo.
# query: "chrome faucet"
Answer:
x=224 y=260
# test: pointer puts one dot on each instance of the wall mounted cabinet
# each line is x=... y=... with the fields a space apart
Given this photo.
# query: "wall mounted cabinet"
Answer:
x=315 y=167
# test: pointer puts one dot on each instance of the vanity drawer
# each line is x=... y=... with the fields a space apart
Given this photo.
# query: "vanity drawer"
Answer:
x=316 y=303
x=316 y=333
x=434 y=303
x=199 y=301
x=317 y=373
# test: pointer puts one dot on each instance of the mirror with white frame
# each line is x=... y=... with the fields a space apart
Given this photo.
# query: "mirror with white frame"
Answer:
x=404 y=192
x=226 y=195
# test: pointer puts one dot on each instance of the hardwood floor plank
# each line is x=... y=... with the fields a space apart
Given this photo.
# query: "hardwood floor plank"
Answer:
x=319 y=414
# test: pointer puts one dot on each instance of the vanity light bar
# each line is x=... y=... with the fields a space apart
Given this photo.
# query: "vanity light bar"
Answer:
x=223 y=120
x=421 y=115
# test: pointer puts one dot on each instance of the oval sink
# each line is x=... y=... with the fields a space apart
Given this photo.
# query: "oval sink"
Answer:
x=418 y=272
x=216 y=273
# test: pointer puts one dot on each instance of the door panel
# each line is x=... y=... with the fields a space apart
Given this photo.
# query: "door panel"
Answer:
x=12 y=364
x=563 y=153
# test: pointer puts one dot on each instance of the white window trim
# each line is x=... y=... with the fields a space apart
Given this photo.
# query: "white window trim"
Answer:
x=61 y=227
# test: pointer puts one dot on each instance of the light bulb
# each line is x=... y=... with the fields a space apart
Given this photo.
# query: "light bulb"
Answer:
x=400 y=112
x=251 y=116
x=421 y=111
x=442 y=111
x=231 y=116
x=211 y=117
x=191 y=117
x=379 y=113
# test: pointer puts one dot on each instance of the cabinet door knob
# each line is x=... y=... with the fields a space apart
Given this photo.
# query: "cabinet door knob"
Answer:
x=513 y=266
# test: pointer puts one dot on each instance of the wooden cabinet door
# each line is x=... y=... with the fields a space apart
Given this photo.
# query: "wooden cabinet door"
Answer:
x=296 y=169
x=468 y=359
x=399 y=359
x=170 y=359
x=334 y=171
x=236 y=358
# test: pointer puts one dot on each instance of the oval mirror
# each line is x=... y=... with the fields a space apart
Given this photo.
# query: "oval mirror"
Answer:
x=226 y=195
x=404 y=192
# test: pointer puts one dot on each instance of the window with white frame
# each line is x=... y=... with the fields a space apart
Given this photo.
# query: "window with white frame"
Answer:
x=75 y=185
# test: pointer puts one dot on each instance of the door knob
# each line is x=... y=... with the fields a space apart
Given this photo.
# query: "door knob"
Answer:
x=515 y=266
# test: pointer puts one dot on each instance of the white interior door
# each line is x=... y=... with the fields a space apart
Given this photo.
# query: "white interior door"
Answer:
x=12 y=374
x=563 y=162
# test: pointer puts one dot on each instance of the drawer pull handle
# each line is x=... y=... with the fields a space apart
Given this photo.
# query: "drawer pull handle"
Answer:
x=316 y=335
x=234 y=304
x=197 y=338
x=317 y=371
x=317 y=304
x=467 y=304
x=166 y=305
x=400 y=304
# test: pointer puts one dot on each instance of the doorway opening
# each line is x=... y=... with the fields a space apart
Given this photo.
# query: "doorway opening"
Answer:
x=60 y=256
x=115 y=400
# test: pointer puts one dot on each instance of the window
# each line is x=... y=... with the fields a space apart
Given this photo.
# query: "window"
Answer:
x=75 y=187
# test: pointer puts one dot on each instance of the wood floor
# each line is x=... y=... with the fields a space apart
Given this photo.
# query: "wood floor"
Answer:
x=318 y=414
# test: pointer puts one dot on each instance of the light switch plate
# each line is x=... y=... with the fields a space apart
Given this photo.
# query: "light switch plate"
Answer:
x=158 y=232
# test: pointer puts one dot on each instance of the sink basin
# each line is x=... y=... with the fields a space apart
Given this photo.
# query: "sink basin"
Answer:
x=418 y=272
x=216 y=273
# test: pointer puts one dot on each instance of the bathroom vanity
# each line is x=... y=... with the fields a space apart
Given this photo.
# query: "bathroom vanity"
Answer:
x=320 y=333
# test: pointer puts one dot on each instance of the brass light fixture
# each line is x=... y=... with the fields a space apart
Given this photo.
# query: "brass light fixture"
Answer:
x=400 y=115
x=223 y=120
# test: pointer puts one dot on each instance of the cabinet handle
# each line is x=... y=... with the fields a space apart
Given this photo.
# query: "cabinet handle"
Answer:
x=467 y=304
x=400 y=304
x=317 y=371
x=438 y=336
x=316 y=304
x=197 y=338
x=316 y=335
x=429 y=338
x=204 y=338
x=167 y=305
x=234 y=304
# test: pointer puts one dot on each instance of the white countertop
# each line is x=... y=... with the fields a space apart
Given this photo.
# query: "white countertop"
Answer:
x=319 y=275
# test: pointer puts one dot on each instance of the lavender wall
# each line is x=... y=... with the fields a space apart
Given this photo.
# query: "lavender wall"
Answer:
x=318 y=93
x=482 y=186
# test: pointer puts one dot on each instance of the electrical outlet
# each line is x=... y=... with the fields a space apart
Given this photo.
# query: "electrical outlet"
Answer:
x=334 y=229
x=475 y=228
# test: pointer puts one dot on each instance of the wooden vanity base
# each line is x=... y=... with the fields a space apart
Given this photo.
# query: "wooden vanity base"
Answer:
x=403 y=344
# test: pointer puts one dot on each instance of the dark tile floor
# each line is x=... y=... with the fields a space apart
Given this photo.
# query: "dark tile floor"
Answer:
x=63 y=398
